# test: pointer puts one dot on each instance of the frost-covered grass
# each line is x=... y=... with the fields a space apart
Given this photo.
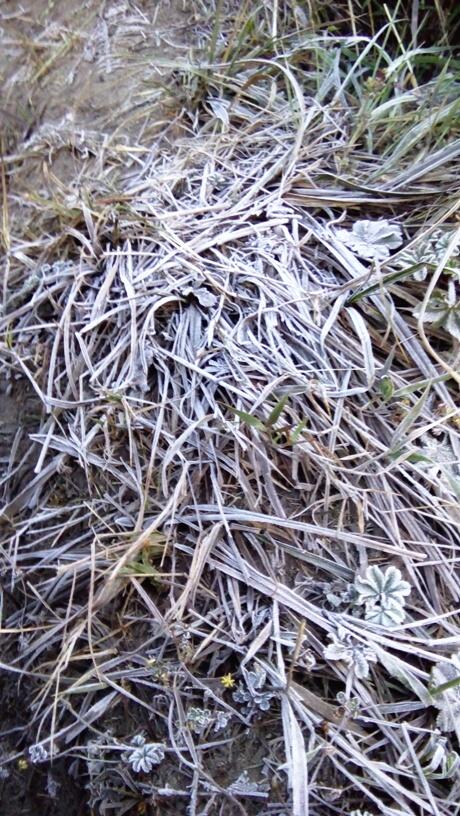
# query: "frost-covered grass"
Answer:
x=230 y=549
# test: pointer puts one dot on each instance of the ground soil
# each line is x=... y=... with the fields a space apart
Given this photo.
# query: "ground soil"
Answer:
x=80 y=84
x=73 y=75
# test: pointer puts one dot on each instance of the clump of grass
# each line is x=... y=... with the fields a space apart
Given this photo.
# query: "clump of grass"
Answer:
x=239 y=413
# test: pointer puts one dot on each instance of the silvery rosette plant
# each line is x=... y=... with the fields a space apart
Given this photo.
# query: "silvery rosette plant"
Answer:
x=371 y=240
x=383 y=595
x=142 y=755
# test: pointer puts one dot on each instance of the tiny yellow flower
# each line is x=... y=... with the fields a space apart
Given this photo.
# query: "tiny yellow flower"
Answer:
x=164 y=679
x=227 y=681
x=23 y=764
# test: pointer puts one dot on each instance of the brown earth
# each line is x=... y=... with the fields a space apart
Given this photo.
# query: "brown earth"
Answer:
x=80 y=84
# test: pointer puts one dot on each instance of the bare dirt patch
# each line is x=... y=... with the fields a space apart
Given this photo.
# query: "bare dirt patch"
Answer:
x=93 y=63
x=81 y=86
x=80 y=96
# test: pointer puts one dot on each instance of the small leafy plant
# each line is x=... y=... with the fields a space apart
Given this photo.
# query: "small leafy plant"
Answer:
x=143 y=567
x=437 y=760
x=143 y=755
x=445 y=692
x=356 y=655
x=443 y=310
x=286 y=434
x=351 y=706
x=199 y=719
x=371 y=240
x=439 y=460
x=383 y=595
x=422 y=256
x=427 y=254
x=253 y=693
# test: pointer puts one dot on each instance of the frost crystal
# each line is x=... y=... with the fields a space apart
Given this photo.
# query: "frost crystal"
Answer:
x=52 y=786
